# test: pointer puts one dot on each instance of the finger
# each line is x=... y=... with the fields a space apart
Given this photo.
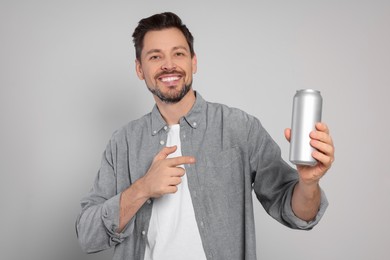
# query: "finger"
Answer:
x=181 y=160
x=320 y=126
x=175 y=181
x=323 y=147
x=177 y=172
x=170 y=189
x=321 y=136
x=323 y=159
x=163 y=154
x=287 y=134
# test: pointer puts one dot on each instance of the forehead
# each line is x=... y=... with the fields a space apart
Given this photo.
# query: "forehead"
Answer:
x=164 y=40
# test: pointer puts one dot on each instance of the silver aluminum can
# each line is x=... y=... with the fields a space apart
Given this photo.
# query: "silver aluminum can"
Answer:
x=307 y=110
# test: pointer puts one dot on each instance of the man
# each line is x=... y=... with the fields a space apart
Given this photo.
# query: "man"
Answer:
x=177 y=183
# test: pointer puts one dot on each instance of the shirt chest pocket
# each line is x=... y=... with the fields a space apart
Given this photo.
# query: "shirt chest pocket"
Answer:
x=223 y=159
x=222 y=171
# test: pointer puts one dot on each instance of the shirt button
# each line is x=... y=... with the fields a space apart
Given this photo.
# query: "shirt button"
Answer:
x=143 y=232
x=149 y=201
x=162 y=142
x=154 y=132
x=194 y=124
x=165 y=128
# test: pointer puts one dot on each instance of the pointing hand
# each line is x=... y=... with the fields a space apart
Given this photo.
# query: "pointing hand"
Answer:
x=165 y=173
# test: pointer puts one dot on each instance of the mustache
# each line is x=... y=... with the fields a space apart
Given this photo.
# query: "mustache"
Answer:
x=181 y=73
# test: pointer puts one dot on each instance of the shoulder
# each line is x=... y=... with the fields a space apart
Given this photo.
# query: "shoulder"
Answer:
x=134 y=127
x=229 y=114
x=236 y=122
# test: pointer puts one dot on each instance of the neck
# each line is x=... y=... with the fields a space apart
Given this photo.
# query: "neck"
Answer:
x=173 y=112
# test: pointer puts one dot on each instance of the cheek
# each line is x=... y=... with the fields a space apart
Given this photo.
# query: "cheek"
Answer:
x=148 y=74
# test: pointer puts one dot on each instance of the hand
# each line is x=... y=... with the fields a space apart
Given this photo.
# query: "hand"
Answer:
x=165 y=174
x=322 y=141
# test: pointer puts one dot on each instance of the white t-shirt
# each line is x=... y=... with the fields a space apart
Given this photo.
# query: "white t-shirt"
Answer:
x=173 y=232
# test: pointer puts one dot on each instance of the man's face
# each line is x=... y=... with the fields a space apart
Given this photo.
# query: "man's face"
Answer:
x=166 y=64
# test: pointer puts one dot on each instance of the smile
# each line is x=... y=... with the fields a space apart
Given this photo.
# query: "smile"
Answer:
x=170 y=79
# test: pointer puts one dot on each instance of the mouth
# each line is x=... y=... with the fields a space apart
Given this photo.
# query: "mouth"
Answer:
x=170 y=79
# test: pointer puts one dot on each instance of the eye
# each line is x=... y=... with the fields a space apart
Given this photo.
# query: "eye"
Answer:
x=179 y=54
x=154 y=57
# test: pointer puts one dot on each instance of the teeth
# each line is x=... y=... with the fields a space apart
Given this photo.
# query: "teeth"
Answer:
x=167 y=79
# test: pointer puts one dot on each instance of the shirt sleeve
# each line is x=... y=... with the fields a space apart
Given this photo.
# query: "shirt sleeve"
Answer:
x=294 y=221
x=98 y=220
x=274 y=180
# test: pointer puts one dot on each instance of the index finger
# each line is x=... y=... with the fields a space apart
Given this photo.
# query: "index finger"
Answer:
x=181 y=160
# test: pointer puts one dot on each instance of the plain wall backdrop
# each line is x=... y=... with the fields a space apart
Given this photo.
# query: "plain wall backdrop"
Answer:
x=67 y=82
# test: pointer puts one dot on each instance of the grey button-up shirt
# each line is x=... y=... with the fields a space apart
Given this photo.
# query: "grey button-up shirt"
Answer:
x=234 y=155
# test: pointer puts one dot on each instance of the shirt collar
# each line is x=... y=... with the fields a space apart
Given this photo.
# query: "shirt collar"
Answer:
x=193 y=118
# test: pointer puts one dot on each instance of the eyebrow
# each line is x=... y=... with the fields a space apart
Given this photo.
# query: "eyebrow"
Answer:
x=180 y=48
x=159 y=50
x=152 y=51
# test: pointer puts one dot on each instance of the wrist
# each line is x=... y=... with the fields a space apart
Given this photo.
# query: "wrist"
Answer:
x=308 y=190
x=137 y=191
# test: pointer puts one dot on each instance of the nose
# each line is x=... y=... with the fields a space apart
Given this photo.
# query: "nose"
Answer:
x=168 y=65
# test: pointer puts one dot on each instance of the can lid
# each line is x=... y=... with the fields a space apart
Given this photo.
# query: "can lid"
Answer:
x=308 y=90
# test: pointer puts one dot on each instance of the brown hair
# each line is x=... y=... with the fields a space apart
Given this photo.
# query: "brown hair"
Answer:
x=159 y=22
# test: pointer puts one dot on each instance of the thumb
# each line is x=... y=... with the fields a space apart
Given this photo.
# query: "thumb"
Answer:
x=287 y=134
x=163 y=154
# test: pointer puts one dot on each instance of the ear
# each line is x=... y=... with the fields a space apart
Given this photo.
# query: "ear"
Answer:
x=138 y=70
x=194 y=64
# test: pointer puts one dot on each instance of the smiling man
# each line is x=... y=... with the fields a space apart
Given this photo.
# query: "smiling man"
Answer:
x=167 y=68
x=177 y=183
x=167 y=63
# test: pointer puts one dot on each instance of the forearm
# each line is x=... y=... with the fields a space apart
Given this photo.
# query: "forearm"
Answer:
x=131 y=201
x=95 y=223
x=306 y=200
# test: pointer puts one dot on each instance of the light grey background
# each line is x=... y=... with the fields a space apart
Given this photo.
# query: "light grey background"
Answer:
x=67 y=81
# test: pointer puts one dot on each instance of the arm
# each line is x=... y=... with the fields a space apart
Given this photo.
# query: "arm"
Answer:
x=276 y=183
x=306 y=201
x=306 y=197
x=131 y=201
x=162 y=178
x=107 y=217
x=98 y=219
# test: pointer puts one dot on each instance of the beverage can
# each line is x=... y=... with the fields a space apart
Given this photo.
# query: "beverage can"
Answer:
x=307 y=111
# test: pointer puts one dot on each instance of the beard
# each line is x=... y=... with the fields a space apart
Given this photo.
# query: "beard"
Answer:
x=172 y=96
